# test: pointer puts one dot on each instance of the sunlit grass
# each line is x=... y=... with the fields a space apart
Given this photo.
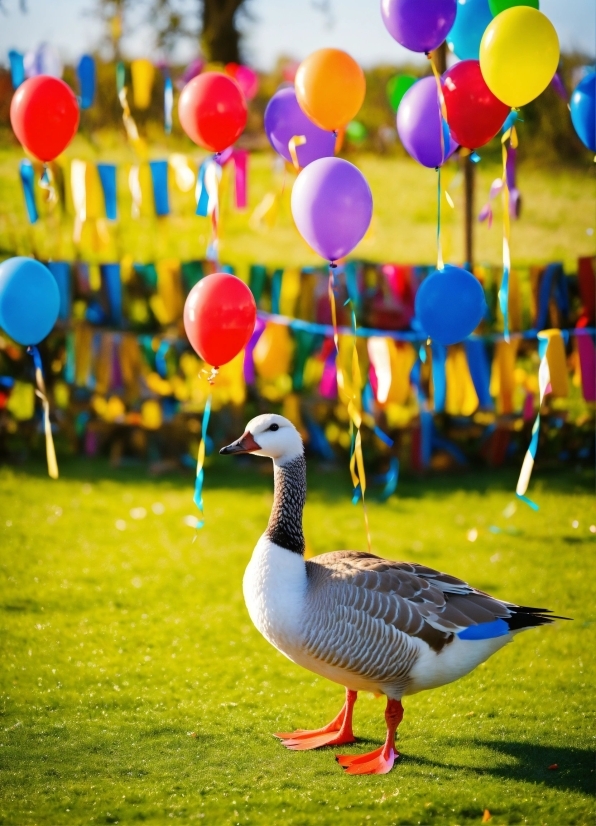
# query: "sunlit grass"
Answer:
x=135 y=689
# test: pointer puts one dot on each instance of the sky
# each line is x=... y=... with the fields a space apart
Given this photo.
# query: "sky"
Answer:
x=289 y=27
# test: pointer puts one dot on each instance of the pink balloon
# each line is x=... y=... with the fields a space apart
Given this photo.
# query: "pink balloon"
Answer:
x=245 y=77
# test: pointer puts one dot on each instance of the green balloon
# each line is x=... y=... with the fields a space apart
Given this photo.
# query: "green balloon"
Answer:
x=497 y=6
x=356 y=131
x=397 y=87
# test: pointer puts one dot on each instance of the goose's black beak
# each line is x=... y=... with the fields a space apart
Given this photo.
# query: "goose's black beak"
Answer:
x=245 y=444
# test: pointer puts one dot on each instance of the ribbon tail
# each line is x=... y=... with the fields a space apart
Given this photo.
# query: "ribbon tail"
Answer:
x=297 y=140
x=47 y=425
x=198 y=494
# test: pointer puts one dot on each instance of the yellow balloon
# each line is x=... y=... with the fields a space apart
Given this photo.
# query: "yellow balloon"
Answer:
x=519 y=55
x=330 y=88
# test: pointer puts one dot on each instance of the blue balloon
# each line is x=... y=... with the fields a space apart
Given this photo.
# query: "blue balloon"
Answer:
x=29 y=300
x=471 y=20
x=583 y=110
x=450 y=304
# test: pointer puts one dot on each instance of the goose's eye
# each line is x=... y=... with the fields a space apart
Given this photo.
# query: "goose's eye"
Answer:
x=274 y=427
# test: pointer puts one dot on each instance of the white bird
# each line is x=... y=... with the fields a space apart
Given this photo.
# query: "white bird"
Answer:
x=369 y=624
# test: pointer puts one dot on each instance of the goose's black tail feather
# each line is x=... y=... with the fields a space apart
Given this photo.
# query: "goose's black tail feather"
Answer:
x=522 y=616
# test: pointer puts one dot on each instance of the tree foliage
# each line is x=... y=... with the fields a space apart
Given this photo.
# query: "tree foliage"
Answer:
x=215 y=24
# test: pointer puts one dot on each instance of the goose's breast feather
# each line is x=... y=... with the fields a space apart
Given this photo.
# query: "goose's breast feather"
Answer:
x=374 y=616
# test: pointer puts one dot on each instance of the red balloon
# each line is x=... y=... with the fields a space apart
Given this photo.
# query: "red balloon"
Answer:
x=45 y=116
x=474 y=114
x=212 y=110
x=219 y=317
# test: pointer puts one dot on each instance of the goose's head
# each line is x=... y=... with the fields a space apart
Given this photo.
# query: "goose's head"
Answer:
x=269 y=435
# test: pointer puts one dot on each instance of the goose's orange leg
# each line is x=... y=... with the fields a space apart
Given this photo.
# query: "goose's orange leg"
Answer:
x=336 y=733
x=381 y=760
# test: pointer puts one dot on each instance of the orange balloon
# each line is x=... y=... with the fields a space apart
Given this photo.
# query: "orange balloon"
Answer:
x=330 y=88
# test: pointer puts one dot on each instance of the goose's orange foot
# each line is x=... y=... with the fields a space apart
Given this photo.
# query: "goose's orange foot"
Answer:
x=379 y=761
x=336 y=733
x=304 y=740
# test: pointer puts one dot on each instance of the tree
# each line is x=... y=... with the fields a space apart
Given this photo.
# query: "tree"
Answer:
x=216 y=24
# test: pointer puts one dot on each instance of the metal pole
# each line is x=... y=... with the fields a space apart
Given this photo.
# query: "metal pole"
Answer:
x=469 y=186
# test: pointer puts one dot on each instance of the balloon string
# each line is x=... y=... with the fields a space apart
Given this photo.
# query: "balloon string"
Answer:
x=198 y=495
x=511 y=136
x=351 y=398
x=40 y=392
x=440 y=262
x=297 y=140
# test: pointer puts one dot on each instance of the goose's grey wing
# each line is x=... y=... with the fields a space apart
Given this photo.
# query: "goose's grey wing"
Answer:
x=370 y=615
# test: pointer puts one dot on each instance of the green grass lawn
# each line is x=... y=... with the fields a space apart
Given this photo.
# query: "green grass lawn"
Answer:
x=135 y=689
x=558 y=212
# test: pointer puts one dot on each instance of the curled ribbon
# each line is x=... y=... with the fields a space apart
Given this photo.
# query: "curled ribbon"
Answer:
x=207 y=194
x=40 y=392
x=440 y=262
x=198 y=495
x=352 y=399
x=528 y=463
x=297 y=140
x=509 y=135
x=132 y=133
x=444 y=125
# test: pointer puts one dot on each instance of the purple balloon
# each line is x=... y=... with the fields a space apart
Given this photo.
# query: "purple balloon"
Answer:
x=419 y=25
x=284 y=120
x=332 y=206
x=419 y=124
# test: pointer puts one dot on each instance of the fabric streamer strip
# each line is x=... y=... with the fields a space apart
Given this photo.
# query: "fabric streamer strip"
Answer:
x=168 y=104
x=198 y=495
x=40 y=392
x=544 y=385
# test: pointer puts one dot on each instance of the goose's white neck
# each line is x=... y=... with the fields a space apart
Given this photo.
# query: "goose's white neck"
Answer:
x=275 y=586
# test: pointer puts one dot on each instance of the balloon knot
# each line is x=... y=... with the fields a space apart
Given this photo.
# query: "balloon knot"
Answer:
x=333 y=265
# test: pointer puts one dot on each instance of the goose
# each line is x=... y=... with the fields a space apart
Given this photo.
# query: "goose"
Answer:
x=367 y=623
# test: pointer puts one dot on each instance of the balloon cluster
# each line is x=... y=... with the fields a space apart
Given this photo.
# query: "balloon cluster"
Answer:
x=508 y=53
x=331 y=200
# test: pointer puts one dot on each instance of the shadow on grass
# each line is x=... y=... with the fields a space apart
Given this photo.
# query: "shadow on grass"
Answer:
x=575 y=770
x=330 y=482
